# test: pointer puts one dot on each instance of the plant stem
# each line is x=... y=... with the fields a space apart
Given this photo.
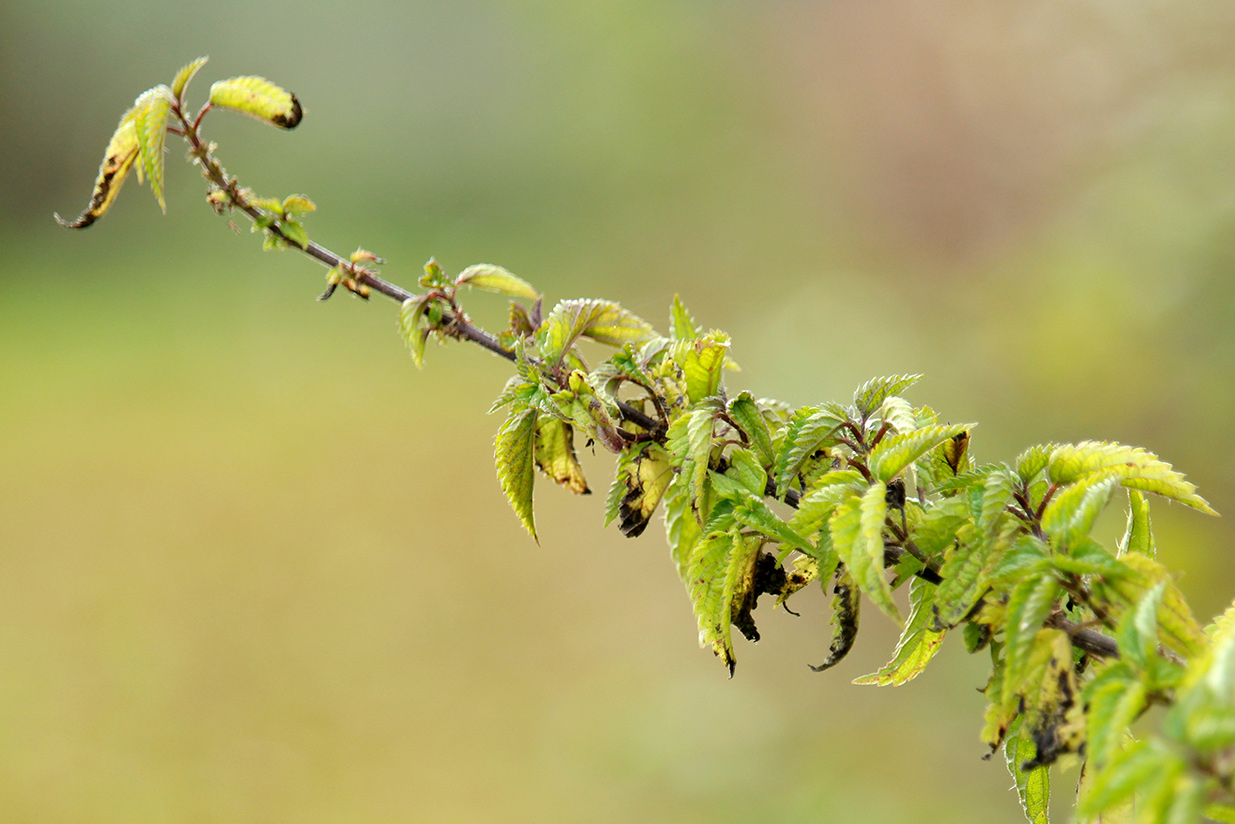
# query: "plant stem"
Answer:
x=457 y=323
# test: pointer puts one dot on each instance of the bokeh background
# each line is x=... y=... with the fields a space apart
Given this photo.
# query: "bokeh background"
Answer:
x=255 y=567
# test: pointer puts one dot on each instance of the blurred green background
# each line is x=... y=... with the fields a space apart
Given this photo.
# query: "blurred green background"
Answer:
x=254 y=567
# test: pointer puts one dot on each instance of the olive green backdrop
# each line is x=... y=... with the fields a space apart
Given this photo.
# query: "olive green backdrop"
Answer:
x=254 y=567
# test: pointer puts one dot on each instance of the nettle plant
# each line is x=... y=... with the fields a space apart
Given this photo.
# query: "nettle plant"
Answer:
x=861 y=498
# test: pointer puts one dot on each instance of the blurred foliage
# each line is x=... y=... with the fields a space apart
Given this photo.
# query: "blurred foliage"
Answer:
x=220 y=598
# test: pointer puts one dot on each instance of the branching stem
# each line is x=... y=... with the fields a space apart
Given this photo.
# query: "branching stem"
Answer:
x=457 y=324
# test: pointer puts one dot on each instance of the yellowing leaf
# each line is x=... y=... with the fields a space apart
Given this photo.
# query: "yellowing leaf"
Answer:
x=643 y=475
x=515 y=451
x=555 y=454
x=258 y=98
x=294 y=205
x=122 y=150
x=1135 y=467
x=184 y=76
x=721 y=574
x=492 y=278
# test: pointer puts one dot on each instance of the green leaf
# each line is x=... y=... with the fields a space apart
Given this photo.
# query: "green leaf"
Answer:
x=870 y=395
x=1030 y=604
x=1188 y=800
x=1179 y=629
x=829 y=492
x=1087 y=557
x=1135 y=467
x=1221 y=812
x=1033 y=787
x=1138 y=767
x=918 y=642
x=601 y=320
x=682 y=326
x=258 y=98
x=434 y=277
x=942 y=464
x=151 y=111
x=846 y=611
x=807 y=431
x=682 y=527
x=689 y=446
x=411 y=327
x=515 y=451
x=295 y=232
x=857 y=535
x=1027 y=558
x=1115 y=698
x=747 y=472
x=746 y=414
x=936 y=529
x=1071 y=514
x=894 y=453
x=122 y=150
x=961 y=587
x=899 y=414
x=992 y=504
x=722 y=570
x=555 y=454
x=492 y=278
x=1033 y=460
x=702 y=361
x=980 y=547
x=1139 y=536
x=753 y=513
x=517 y=390
x=184 y=76
x=1138 y=631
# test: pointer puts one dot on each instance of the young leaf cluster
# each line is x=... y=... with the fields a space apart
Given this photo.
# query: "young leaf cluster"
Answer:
x=873 y=499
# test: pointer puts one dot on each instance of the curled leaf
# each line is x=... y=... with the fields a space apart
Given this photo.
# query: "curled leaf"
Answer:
x=122 y=150
x=185 y=75
x=846 y=608
x=555 y=454
x=258 y=98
